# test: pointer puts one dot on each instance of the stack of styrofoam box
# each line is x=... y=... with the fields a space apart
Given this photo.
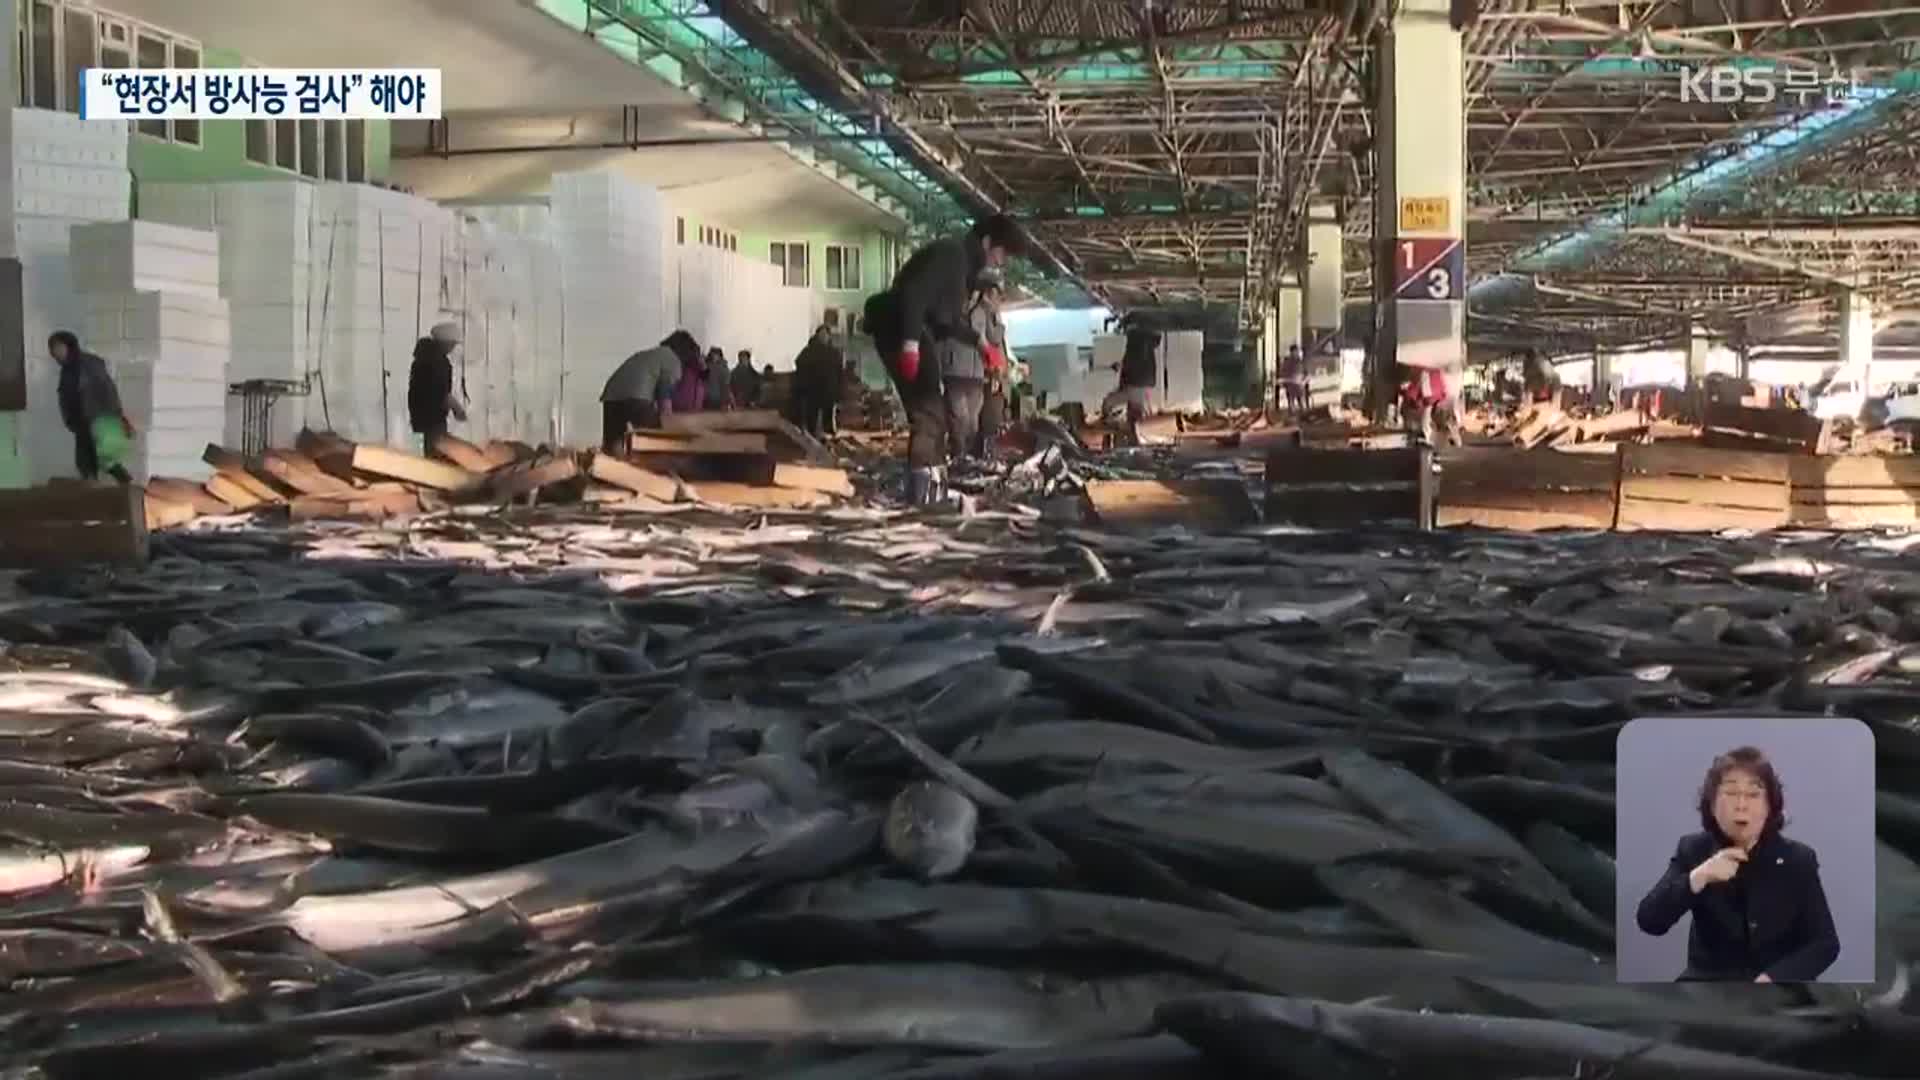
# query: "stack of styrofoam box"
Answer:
x=1182 y=378
x=66 y=172
x=1047 y=365
x=612 y=235
x=265 y=234
x=374 y=293
x=735 y=302
x=1090 y=386
x=154 y=312
x=528 y=295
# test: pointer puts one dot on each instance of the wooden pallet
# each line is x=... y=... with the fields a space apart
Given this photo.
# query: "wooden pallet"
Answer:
x=1345 y=488
x=1505 y=488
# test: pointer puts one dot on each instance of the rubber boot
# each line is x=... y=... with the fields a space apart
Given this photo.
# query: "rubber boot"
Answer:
x=920 y=485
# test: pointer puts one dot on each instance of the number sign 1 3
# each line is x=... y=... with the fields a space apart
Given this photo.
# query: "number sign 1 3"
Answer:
x=1429 y=268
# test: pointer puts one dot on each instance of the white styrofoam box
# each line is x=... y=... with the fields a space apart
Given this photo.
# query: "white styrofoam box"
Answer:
x=1182 y=378
x=1108 y=349
x=1047 y=364
x=125 y=256
x=65 y=138
x=170 y=393
x=150 y=316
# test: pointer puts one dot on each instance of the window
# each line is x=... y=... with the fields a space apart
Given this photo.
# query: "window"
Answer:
x=357 y=151
x=286 y=144
x=45 y=84
x=843 y=268
x=186 y=131
x=78 y=51
x=791 y=258
x=309 y=148
x=260 y=142
x=151 y=53
x=336 y=155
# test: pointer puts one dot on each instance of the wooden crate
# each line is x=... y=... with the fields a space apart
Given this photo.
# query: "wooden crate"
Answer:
x=1342 y=488
x=1685 y=488
x=1728 y=426
x=73 y=524
x=1221 y=503
x=1854 y=492
x=1506 y=488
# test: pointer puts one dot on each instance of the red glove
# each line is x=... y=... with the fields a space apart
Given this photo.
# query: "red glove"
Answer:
x=909 y=362
x=995 y=359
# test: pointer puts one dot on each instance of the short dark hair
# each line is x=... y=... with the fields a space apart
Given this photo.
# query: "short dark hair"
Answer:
x=1747 y=759
x=64 y=337
x=1002 y=232
x=681 y=342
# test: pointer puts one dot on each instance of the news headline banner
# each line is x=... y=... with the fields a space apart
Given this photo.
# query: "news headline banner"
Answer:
x=260 y=94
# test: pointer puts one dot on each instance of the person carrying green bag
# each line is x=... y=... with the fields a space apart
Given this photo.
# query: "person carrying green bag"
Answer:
x=90 y=406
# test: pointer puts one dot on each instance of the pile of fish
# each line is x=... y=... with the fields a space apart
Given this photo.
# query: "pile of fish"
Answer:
x=858 y=794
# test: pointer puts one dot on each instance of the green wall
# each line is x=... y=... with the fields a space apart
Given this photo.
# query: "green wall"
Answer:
x=13 y=463
x=875 y=274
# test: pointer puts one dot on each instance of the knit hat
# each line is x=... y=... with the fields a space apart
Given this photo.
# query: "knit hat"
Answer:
x=446 y=333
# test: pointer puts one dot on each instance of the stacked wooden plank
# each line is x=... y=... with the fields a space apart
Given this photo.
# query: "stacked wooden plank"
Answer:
x=1341 y=488
x=1854 y=492
x=1501 y=488
x=1686 y=488
x=1731 y=426
x=749 y=457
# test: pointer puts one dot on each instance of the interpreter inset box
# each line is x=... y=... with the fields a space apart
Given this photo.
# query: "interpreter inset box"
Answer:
x=1744 y=850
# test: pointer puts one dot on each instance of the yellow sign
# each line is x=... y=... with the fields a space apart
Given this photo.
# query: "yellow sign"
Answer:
x=1433 y=214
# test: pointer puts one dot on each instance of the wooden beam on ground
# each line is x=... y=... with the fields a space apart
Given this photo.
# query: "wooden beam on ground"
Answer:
x=726 y=443
x=462 y=453
x=526 y=479
x=1349 y=488
x=813 y=478
x=750 y=495
x=73 y=524
x=1207 y=503
x=632 y=478
x=186 y=491
x=1854 y=492
x=228 y=489
x=374 y=505
x=298 y=473
x=163 y=513
x=414 y=469
x=330 y=453
x=1509 y=488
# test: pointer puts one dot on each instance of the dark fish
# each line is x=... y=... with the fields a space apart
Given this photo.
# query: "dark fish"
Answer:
x=930 y=829
x=953 y=1007
x=1299 y=1037
x=332 y=734
x=129 y=658
x=421 y=828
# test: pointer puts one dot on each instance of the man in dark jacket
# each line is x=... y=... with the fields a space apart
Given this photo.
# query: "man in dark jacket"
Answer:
x=745 y=382
x=816 y=382
x=430 y=396
x=926 y=304
x=88 y=399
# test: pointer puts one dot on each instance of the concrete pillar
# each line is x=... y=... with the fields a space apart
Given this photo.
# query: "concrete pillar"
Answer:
x=1856 y=337
x=1321 y=311
x=1420 y=194
x=1291 y=299
x=1698 y=346
x=1602 y=375
x=13 y=357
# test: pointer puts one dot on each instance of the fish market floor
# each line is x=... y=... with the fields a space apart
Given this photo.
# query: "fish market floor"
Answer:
x=866 y=795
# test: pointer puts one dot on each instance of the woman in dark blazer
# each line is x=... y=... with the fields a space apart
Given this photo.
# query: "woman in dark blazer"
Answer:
x=1759 y=913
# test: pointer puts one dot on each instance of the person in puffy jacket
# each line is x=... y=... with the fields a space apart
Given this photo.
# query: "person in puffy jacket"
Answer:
x=430 y=389
x=927 y=304
x=90 y=406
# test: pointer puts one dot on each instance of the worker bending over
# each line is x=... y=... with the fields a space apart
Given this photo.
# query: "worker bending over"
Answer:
x=1139 y=374
x=641 y=389
x=927 y=305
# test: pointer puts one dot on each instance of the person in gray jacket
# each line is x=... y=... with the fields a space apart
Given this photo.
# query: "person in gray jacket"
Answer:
x=640 y=390
x=966 y=365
